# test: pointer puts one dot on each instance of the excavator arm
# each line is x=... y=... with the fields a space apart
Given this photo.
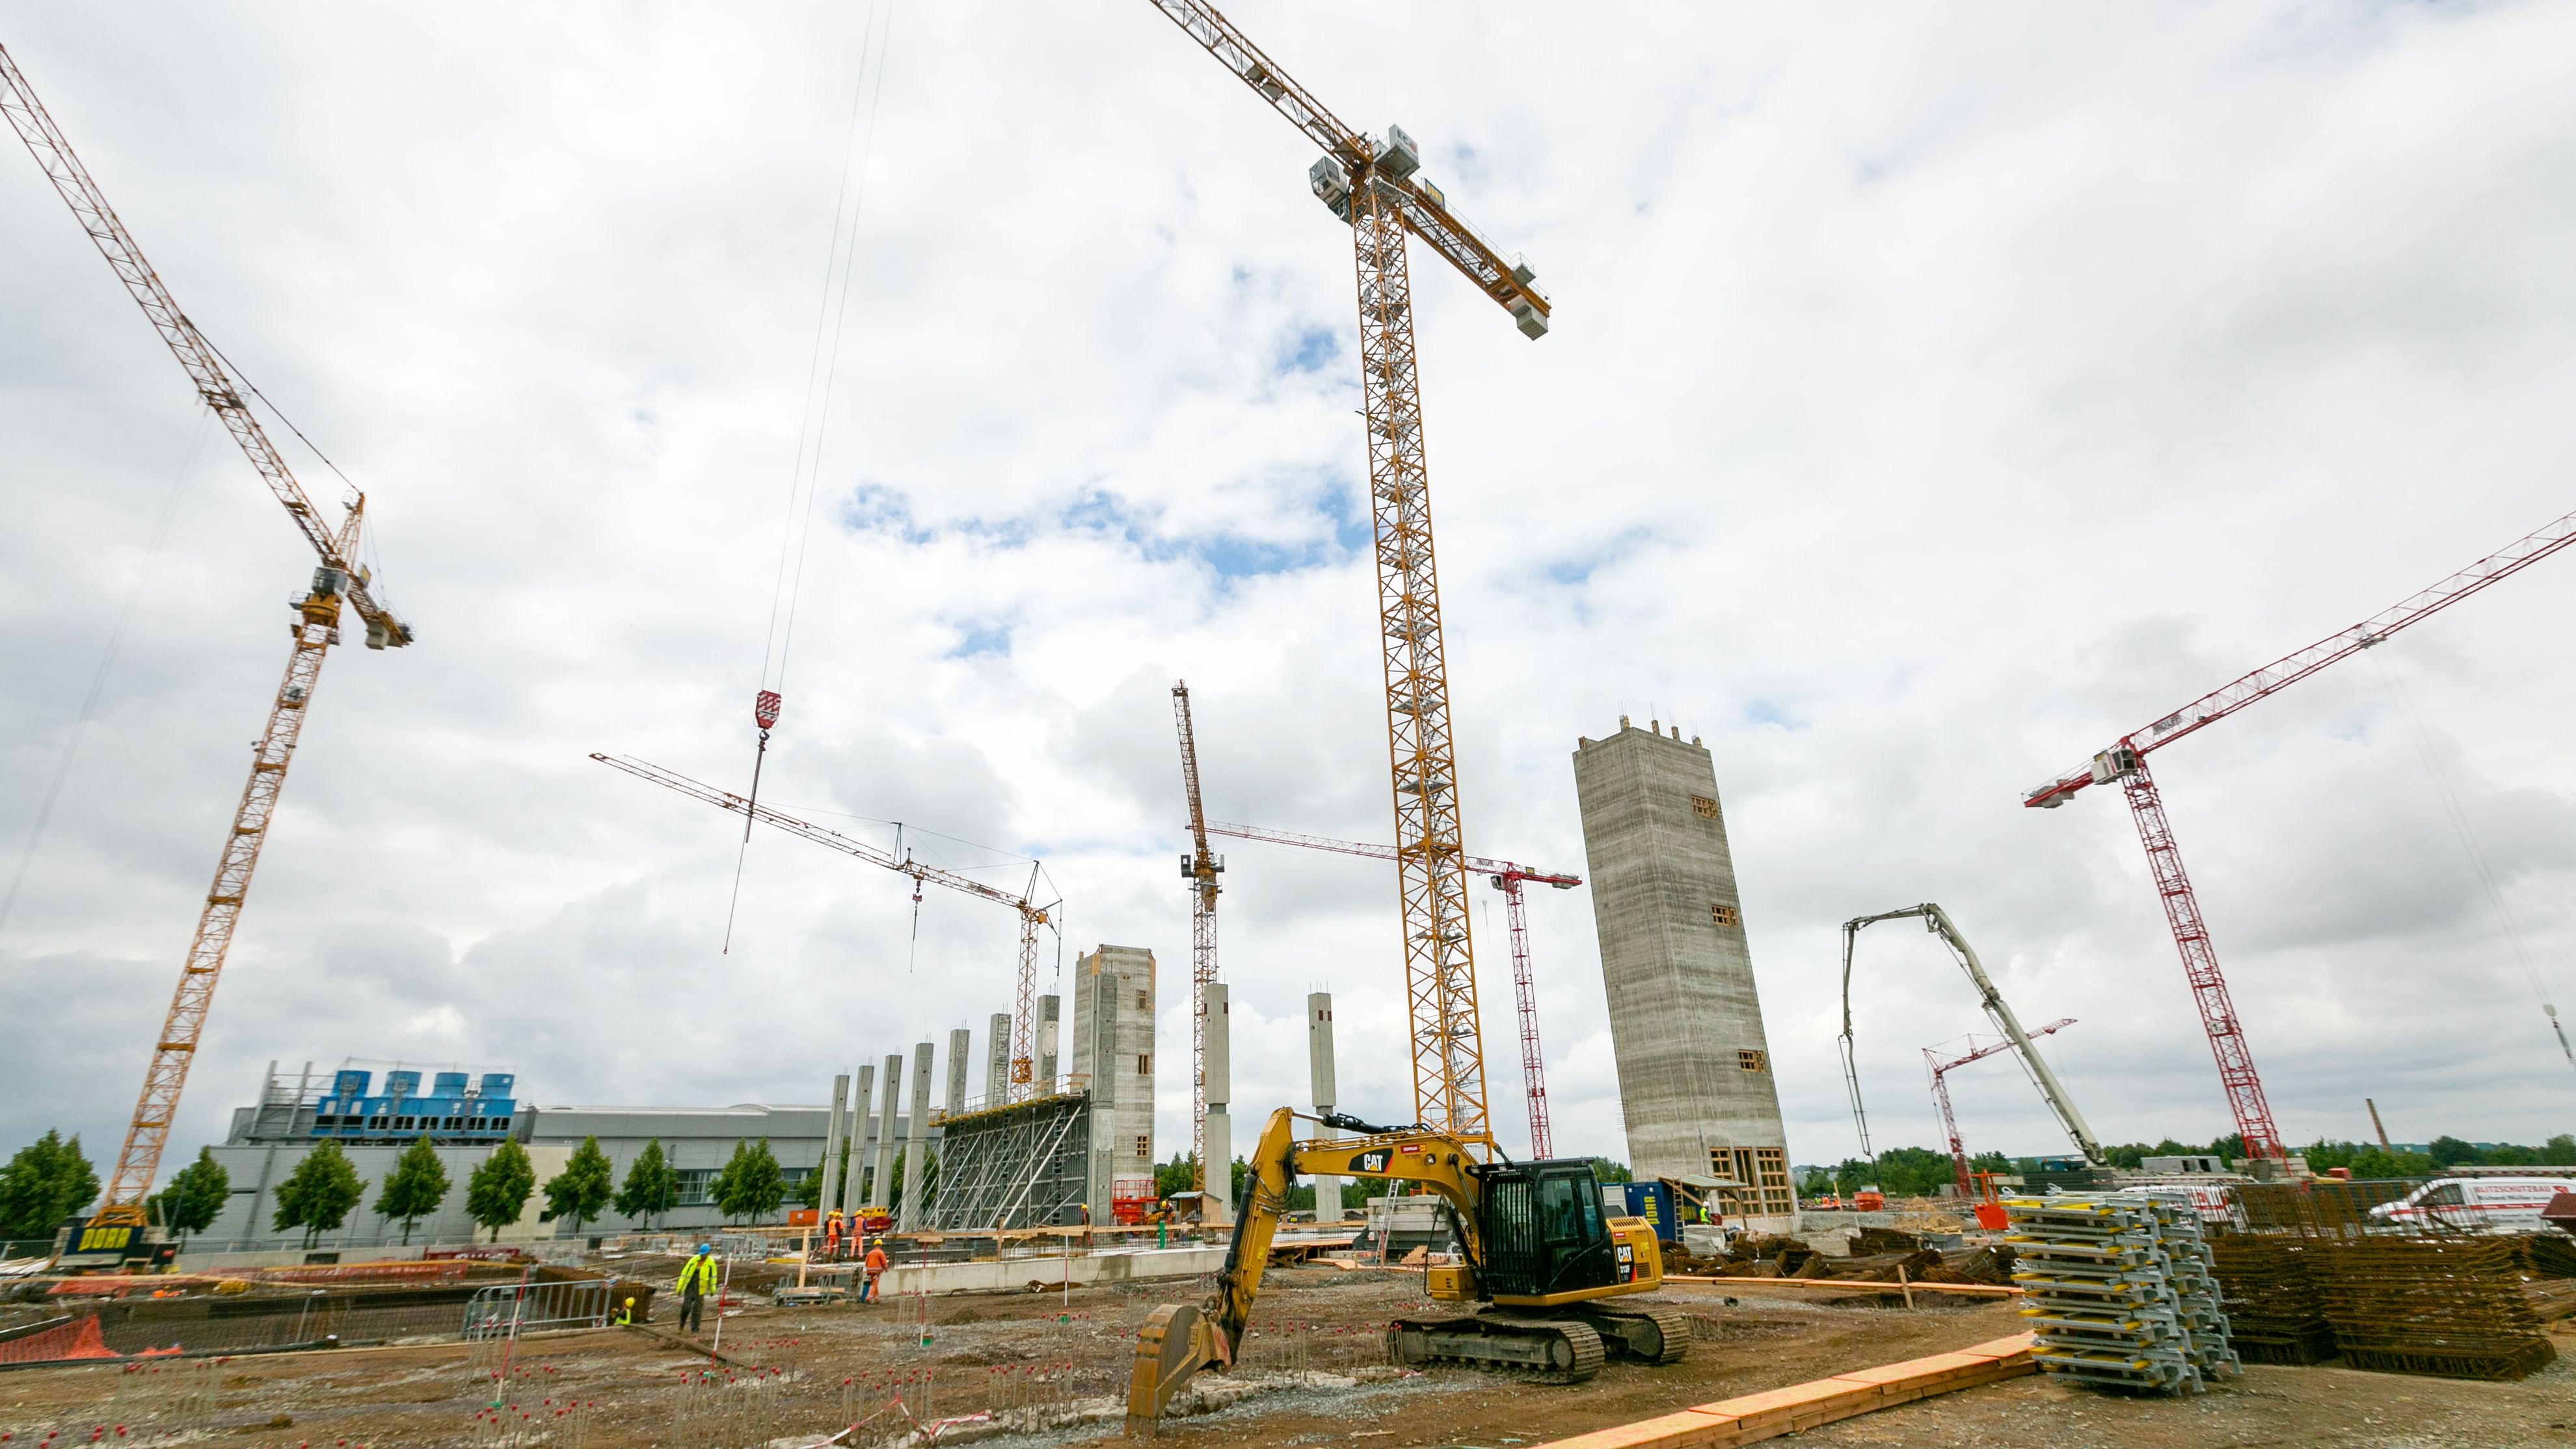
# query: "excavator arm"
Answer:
x=1182 y=1338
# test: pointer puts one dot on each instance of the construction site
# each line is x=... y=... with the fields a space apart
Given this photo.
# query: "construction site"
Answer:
x=942 y=1234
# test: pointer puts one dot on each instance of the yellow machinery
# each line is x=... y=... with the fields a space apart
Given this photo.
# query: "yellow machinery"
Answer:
x=1539 y=1254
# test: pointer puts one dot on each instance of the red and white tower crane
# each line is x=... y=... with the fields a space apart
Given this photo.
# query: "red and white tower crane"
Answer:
x=2126 y=761
x=1507 y=878
x=1941 y=1094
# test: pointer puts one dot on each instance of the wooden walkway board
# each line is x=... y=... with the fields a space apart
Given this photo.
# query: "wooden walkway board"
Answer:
x=1774 y=1412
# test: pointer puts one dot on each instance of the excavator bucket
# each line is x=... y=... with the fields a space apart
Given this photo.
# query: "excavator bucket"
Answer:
x=1175 y=1343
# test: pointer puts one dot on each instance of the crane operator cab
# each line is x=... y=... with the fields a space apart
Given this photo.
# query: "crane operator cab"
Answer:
x=1545 y=1235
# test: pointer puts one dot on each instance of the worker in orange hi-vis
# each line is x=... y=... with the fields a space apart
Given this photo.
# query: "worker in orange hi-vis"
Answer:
x=876 y=1263
x=832 y=1235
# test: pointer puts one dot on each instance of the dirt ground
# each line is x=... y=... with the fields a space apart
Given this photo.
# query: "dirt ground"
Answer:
x=795 y=1376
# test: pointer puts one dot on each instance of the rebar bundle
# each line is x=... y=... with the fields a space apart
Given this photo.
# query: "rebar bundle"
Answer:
x=2274 y=1311
x=2119 y=1290
x=2447 y=1307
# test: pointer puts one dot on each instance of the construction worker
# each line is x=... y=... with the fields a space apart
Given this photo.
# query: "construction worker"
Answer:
x=626 y=1315
x=697 y=1276
x=832 y=1235
x=876 y=1263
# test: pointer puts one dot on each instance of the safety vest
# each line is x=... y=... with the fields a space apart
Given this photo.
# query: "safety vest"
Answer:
x=703 y=1269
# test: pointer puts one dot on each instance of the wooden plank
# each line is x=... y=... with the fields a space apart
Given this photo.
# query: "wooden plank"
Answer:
x=1752 y=1418
x=1841 y=1285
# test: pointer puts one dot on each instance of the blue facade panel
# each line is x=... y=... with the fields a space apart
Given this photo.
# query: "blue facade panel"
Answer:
x=450 y=1111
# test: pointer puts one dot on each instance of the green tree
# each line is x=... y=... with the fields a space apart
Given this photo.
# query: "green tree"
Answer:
x=415 y=1188
x=750 y=1185
x=582 y=1190
x=2560 y=1151
x=194 y=1197
x=651 y=1186
x=1613 y=1172
x=47 y=1181
x=2452 y=1152
x=318 y=1194
x=499 y=1190
x=930 y=1194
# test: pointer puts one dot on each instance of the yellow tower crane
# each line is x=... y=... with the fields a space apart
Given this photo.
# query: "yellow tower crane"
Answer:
x=1200 y=869
x=1376 y=186
x=117 y=1228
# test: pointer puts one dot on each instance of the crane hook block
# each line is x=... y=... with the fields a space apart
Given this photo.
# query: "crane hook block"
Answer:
x=764 y=708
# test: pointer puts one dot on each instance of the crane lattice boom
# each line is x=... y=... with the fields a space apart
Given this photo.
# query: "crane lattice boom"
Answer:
x=1032 y=915
x=1507 y=878
x=1941 y=1095
x=1372 y=185
x=315 y=630
x=1201 y=870
x=2126 y=762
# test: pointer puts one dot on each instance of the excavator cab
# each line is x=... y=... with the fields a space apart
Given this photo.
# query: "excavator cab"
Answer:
x=1544 y=1232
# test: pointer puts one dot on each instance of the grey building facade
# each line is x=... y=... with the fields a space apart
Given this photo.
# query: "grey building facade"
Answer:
x=1695 y=1081
x=1113 y=1061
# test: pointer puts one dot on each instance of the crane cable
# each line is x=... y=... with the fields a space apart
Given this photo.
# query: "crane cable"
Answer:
x=2458 y=816
x=831 y=321
x=107 y=659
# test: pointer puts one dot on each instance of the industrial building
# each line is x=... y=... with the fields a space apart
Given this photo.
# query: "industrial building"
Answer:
x=1695 y=1079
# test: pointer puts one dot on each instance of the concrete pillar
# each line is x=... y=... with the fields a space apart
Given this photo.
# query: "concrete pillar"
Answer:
x=1218 y=1082
x=881 y=1191
x=828 y=1199
x=916 y=1154
x=854 y=1140
x=1048 y=1009
x=997 y=1062
x=961 y=1045
x=1319 y=1067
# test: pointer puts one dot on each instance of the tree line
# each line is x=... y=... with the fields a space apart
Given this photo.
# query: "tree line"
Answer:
x=51 y=1180
x=1919 y=1172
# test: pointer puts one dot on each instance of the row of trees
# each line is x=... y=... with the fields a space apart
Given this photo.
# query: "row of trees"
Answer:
x=51 y=1179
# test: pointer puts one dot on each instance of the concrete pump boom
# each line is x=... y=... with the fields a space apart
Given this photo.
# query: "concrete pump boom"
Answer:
x=1938 y=922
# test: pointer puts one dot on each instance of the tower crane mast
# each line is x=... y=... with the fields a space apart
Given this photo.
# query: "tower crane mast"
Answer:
x=1508 y=878
x=2126 y=761
x=1032 y=915
x=1200 y=868
x=1373 y=185
x=339 y=580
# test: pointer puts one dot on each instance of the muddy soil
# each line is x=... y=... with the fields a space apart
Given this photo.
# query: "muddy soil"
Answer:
x=795 y=1376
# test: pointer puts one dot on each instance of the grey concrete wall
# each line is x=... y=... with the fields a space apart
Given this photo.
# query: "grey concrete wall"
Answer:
x=1113 y=1051
x=1674 y=960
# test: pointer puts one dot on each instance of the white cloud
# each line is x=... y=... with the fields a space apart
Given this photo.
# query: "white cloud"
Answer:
x=1932 y=396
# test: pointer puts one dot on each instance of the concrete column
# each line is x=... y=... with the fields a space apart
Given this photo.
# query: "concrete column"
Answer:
x=916 y=1153
x=1049 y=1008
x=1219 y=1085
x=1319 y=1067
x=828 y=1200
x=854 y=1139
x=883 y=1188
x=961 y=1045
x=997 y=1062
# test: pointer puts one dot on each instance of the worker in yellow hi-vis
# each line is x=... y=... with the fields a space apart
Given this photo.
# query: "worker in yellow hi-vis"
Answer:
x=697 y=1276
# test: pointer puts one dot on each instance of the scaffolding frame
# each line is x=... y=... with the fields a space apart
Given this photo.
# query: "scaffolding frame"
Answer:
x=1022 y=1165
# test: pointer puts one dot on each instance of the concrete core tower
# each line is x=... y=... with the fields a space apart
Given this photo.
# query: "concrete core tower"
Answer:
x=1695 y=1078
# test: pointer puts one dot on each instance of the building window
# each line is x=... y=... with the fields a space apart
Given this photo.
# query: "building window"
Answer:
x=1703 y=807
x=1752 y=1061
x=693 y=1184
x=1144 y=1147
x=1752 y=1181
x=1144 y=1065
x=1144 y=1001
x=1725 y=915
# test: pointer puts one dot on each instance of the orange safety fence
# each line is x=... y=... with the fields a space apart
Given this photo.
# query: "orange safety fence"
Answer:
x=63 y=1341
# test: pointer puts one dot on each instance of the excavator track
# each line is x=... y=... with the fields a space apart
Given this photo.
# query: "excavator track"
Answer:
x=1534 y=1350
x=1653 y=1336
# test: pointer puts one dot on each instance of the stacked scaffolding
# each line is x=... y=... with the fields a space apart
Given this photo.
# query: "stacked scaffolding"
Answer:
x=1023 y=1165
x=2120 y=1290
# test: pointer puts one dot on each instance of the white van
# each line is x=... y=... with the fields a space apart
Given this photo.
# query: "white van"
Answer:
x=2477 y=1204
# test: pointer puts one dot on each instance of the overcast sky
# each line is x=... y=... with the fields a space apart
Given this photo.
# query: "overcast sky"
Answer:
x=1934 y=395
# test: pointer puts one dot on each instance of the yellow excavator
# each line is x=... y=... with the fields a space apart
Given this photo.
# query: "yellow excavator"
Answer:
x=1540 y=1256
